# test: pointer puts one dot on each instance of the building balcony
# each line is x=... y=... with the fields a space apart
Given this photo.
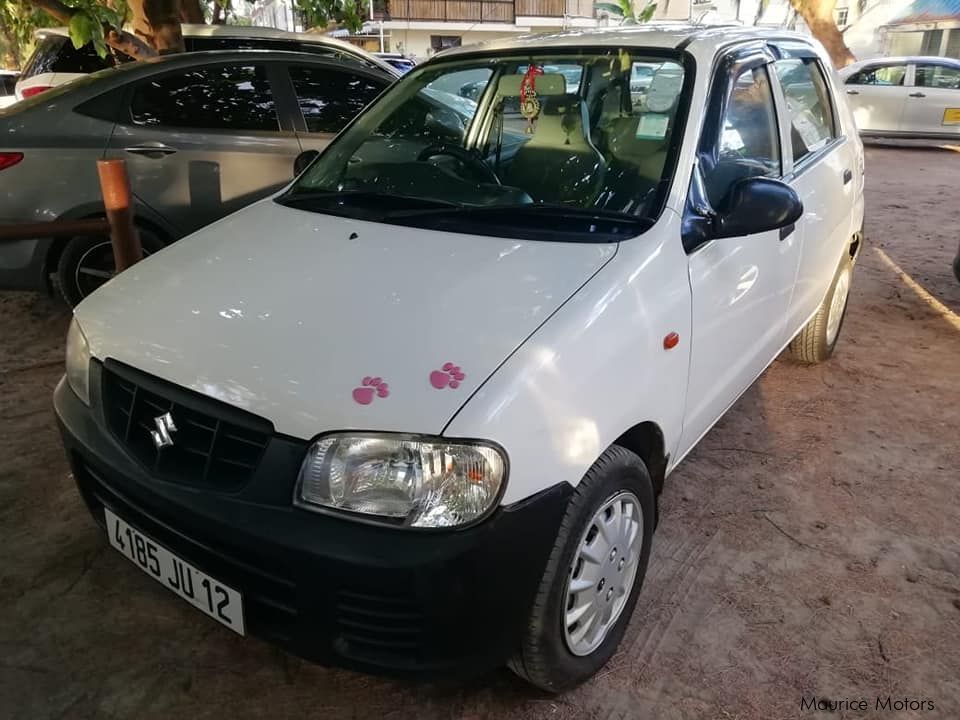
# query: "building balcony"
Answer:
x=486 y=11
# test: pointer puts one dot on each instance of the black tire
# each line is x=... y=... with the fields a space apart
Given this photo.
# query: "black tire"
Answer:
x=812 y=344
x=544 y=658
x=956 y=267
x=88 y=254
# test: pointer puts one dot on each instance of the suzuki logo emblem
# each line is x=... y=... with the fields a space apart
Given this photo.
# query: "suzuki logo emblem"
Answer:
x=165 y=426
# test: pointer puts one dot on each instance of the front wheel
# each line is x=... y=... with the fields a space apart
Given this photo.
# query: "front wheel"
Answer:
x=86 y=263
x=818 y=338
x=593 y=577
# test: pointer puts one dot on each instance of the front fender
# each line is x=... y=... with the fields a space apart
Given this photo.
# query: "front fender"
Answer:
x=593 y=370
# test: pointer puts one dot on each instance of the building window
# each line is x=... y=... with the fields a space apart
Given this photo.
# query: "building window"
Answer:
x=953 y=43
x=931 y=42
x=442 y=42
x=842 y=15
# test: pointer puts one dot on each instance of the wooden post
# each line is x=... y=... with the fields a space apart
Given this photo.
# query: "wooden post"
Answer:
x=115 y=187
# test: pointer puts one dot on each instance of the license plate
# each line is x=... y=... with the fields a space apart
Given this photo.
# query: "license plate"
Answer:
x=951 y=116
x=217 y=600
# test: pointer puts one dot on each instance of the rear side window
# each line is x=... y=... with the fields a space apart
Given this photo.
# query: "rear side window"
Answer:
x=7 y=84
x=56 y=54
x=808 y=105
x=225 y=97
x=938 y=76
x=330 y=98
x=879 y=75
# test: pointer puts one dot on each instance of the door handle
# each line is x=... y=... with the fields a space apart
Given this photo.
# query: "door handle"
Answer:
x=151 y=150
x=847 y=176
x=787 y=230
x=853 y=92
x=917 y=94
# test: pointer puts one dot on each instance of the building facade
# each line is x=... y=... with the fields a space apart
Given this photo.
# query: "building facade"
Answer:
x=421 y=28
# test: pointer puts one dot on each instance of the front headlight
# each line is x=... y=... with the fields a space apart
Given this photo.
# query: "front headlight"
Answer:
x=425 y=482
x=78 y=362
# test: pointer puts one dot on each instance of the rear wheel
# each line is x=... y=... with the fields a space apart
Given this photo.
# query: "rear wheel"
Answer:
x=593 y=577
x=86 y=263
x=818 y=338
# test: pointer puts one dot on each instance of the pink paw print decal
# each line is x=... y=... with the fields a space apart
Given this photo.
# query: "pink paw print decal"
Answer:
x=448 y=376
x=370 y=387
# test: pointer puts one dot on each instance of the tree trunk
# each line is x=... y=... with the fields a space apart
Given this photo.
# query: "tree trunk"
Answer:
x=818 y=15
x=157 y=23
x=191 y=12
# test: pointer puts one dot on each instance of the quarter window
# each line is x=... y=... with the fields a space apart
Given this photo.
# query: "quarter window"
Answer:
x=329 y=98
x=938 y=76
x=749 y=143
x=808 y=105
x=226 y=97
x=879 y=75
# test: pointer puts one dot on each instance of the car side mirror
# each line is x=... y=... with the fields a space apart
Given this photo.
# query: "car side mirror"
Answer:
x=757 y=205
x=303 y=161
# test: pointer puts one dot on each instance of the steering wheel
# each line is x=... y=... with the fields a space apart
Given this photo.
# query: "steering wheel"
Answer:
x=467 y=157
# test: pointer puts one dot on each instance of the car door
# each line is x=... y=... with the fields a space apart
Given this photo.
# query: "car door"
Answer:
x=203 y=141
x=933 y=102
x=740 y=286
x=822 y=172
x=330 y=95
x=877 y=95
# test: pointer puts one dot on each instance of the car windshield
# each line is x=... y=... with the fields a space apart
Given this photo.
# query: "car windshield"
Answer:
x=580 y=142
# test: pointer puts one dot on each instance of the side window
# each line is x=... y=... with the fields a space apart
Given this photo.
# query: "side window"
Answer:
x=225 y=97
x=330 y=98
x=879 y=75
x=808 y=104
x=938 y=76
x=749 y=142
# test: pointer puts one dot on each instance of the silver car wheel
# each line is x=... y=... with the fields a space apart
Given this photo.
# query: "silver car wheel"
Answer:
x=602 y=572
x=838 y=304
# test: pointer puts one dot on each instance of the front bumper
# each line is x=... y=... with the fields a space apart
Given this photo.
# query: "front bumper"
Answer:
x=331 y=590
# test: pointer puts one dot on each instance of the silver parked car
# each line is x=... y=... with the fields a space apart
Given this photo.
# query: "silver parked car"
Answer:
x=203 y=135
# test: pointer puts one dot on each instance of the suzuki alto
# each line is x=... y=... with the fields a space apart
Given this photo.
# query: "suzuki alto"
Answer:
x=413 y=413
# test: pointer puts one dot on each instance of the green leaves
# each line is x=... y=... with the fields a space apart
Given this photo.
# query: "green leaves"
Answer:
x=88 y=19
x=319 y=13
x=631 y=16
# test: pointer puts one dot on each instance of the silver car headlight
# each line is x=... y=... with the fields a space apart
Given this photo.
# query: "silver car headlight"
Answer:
x=423 y=482
x=78 y=362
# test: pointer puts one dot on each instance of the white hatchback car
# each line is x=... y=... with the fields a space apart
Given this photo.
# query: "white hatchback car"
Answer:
x=910 y=97
x=413 y=413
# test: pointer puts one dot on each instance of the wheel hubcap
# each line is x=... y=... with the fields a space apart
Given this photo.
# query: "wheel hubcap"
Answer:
x=94 y=268
x=837 y=305
x=602 y=572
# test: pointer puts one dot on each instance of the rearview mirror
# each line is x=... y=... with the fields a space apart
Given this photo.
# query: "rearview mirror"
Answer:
x=303 y=160
x=757 y=205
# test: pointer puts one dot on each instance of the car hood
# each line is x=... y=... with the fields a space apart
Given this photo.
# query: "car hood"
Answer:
x=294 y=315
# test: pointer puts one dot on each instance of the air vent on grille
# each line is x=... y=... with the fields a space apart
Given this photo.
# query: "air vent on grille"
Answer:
x=375 y=623
x=214 y=445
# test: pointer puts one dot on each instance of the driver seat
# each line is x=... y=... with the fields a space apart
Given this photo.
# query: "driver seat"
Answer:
x=559 y=164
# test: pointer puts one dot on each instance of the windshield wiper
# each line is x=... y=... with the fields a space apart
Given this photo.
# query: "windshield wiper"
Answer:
x=385 y=203
x=544 y=209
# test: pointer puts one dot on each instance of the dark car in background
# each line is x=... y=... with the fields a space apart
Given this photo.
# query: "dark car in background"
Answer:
x=55 y=60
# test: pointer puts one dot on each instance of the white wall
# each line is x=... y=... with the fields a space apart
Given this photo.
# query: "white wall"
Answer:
x=417 y=42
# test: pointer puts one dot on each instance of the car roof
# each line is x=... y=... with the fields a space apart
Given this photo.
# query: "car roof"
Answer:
x=900 y=59
x=663 y=34
x=195 y=30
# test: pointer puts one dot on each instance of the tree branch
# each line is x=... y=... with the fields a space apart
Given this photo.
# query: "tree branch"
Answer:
x=116 y=38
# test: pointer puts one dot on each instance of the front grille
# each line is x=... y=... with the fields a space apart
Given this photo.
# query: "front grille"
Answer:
x=214 y=445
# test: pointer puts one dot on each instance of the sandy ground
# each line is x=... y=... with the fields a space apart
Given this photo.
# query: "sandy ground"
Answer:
x=808 y=546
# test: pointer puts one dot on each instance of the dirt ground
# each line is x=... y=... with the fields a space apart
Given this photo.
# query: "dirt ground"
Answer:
x=809 y=546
